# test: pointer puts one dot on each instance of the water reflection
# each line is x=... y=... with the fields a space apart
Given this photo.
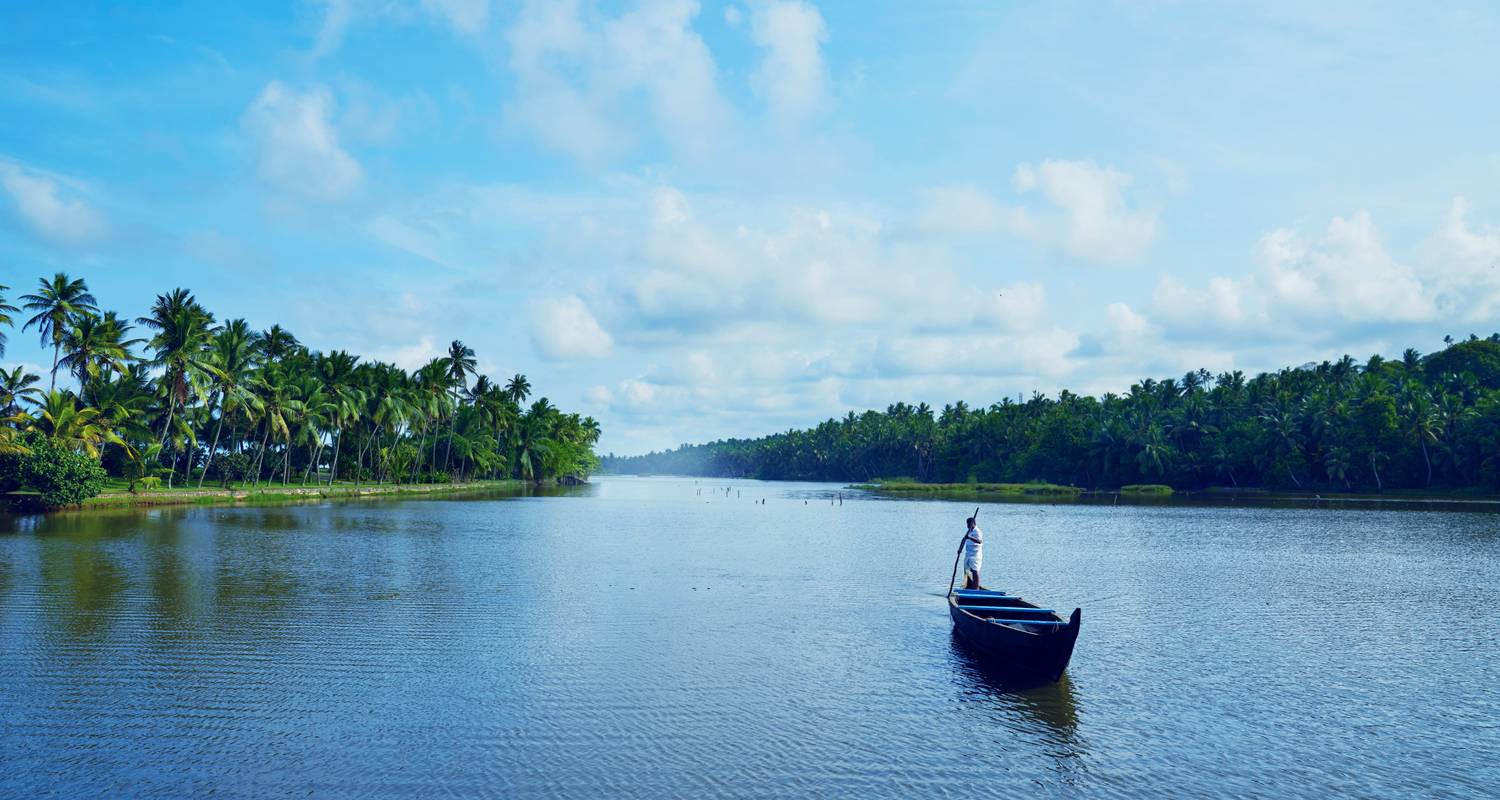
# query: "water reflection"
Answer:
x=1050 y=704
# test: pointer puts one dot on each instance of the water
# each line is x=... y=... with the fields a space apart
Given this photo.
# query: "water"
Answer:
x=634 y=638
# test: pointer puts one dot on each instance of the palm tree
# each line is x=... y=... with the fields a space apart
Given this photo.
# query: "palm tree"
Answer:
x=55 y=302
x=336 y=370
x=6 y=309
x=232 y=354
x=16 y=386
x=93 y=345
x=518 y=388
x=461 y=364
x=276 y=343
x=184 y=330
x=61 y=419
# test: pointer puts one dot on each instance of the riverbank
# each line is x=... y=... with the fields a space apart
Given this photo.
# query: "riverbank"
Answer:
x=293 y=494
x=1156 y=494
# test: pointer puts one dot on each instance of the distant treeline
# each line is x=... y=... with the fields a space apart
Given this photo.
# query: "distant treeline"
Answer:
x=1415 y=423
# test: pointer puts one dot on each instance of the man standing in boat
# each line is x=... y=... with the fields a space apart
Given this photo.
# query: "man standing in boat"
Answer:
x=973 y=555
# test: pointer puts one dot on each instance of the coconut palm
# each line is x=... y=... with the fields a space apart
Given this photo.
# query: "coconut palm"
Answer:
x=461 y=364
x=92 y=346
x=518 y=388
x=183 y=331
x=62 y=419
x=232 y=354
x=17 y=386
x=55 y=302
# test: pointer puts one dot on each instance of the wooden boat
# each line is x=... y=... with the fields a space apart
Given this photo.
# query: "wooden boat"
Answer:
x=1014 y=635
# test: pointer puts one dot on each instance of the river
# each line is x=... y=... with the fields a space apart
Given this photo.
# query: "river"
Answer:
x=661 y=637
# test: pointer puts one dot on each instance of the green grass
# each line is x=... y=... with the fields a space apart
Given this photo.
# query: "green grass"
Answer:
x=1147 y=490
x=1016 y=490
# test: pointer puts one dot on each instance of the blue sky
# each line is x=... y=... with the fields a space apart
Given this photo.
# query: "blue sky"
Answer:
x=701 y=220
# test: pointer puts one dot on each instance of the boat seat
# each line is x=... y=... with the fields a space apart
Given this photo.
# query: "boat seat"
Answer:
x=1052 y=622
x=980 y=593
x=1021 y=609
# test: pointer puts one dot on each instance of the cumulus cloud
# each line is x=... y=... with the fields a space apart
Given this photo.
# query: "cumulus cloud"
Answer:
x=791 y=75
x=1092 y=220
x=1347 y=271
x=1464 y=267
x=52 y=206
x=577 y=78
x=297 y=147
x=564 y=329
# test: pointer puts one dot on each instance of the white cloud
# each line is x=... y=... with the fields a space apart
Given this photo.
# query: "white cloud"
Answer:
x=1016 y=308
x=297 y=147
x=964 y=210
x=50 y=205
x=1346 y=272
x=411 y=356
x=1094 y=222
x=466 y=16
x=1223 y=306
x=336 y=16
x=791 y=76
x=578 y=79
x=1463 y=267
x=564 y=329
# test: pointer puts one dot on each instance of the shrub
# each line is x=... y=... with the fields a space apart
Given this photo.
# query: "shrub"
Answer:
x=49 y=476
x=231 y=468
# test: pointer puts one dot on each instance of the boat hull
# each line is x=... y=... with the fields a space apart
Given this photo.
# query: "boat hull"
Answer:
x=1025 y=651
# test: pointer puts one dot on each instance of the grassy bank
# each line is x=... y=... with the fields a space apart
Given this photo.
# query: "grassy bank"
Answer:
x=1018 y=491
x=117 y=497
x=1147 y=490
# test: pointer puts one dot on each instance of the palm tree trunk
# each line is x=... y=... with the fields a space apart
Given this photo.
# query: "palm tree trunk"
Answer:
x=333 y=471
x=452 y=422
x=261 y=456
x=1378 y=485
x=213 y=447
x=56 y=350
x=171 y=407
x=317 y=453
x=1428 y=461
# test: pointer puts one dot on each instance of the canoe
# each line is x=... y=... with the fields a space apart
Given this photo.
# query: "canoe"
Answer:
x=1013 y=634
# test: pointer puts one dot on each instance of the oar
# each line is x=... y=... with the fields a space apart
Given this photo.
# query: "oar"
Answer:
x=960 y=552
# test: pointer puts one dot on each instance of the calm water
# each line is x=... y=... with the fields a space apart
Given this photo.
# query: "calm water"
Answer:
x=637 y=639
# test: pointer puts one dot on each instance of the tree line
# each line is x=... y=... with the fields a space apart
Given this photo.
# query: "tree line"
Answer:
x=178 y=397
x=1414 y=423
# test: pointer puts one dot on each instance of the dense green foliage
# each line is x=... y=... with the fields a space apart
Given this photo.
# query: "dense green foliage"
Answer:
x=45 y=474
x=1413 y=423
x=194 y=400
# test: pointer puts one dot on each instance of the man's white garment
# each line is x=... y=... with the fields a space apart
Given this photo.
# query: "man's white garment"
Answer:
x=973 y=550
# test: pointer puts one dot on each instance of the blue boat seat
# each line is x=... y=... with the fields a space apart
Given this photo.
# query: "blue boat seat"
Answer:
x=1020 y=609
x=1052 y=622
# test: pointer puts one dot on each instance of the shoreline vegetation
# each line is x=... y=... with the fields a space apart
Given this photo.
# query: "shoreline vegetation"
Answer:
x=194 y=402
x=297 y=494
x=1412 y=428
x=1166 y=495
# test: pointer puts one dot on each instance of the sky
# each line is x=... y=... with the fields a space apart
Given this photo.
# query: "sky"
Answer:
x=702 y=220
